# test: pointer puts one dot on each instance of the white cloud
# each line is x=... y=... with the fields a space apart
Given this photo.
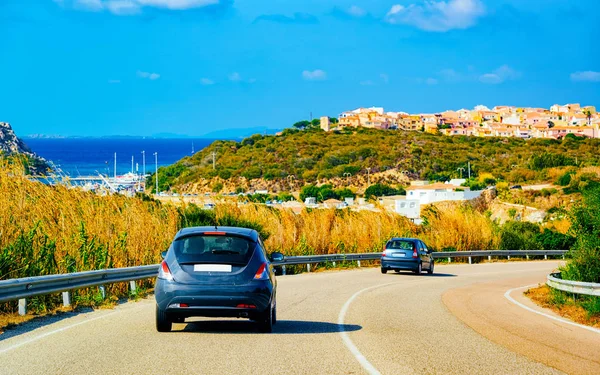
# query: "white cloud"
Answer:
x=128 y=7
x=587 y=76
x=356 y=11
x=431 y=81
x=89 y=5
x=499 y=75
x=235 y=77
x=207 y=81
x=114 y=81
x=315 y=75
x=150 y=76
x=123 y=7
x=177 y=4
x=438 y=16
x=384 y=77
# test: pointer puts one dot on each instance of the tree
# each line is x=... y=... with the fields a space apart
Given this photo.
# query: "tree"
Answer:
x=381 y=190
x=301 y=124
x=333 y=120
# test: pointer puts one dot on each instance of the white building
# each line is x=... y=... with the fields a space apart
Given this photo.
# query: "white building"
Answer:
x=439 y=192
x=410 y=208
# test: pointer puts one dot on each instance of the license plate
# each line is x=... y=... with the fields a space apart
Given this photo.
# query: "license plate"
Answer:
x=212 y=267
x=398 y=255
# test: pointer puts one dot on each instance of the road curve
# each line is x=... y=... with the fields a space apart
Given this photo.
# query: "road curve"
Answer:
x=348 y=322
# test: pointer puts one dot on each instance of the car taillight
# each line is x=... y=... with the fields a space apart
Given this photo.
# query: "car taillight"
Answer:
x=245 y=306
x=262 y=273
x=164 y=272
x=383 y=254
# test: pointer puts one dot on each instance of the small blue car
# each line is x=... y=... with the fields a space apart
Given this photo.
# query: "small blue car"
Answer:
x=406 y=254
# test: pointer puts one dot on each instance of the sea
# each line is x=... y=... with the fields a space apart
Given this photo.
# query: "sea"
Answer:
x=90 y=156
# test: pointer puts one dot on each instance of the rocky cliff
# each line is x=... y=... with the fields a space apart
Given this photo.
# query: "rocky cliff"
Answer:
x=11 y=145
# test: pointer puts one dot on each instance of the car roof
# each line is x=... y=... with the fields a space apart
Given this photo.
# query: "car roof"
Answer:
x=244 y=232
x=403 y=239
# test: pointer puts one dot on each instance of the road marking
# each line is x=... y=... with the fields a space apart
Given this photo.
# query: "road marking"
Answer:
x=507 y=295
x=58 y=330
x=349 y=344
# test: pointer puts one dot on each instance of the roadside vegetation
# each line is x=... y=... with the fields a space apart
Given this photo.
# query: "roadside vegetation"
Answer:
x=583 y=264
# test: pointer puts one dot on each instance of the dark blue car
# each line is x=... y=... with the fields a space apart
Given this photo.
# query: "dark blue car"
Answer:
x=216 y=272
x=406 y=254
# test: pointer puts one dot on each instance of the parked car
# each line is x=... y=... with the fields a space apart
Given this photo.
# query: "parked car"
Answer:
x=216 y=272
x=406 y=254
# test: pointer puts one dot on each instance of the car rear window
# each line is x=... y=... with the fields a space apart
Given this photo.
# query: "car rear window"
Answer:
x=400 y=245
x=213 y=249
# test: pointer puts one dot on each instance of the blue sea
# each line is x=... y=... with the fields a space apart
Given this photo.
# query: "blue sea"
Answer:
x=90 y=156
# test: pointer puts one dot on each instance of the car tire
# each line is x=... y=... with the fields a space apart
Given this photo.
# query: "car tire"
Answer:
x=163 y=324
x=430 y=270
x=383 y=270
x=418 y=270
x=265 y=321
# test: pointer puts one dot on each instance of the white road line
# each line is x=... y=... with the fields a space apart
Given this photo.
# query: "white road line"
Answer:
x=58 y=330
x=507 y=295
x=349 y=344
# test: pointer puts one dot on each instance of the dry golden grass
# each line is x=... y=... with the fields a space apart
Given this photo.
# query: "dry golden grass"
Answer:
x=129 y=231
x=458 y=226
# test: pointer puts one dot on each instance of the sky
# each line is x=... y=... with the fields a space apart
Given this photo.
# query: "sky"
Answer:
x=142 y=67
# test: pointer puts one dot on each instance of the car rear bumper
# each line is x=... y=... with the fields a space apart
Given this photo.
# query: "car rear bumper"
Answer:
x=396 y=264
x=213 y=300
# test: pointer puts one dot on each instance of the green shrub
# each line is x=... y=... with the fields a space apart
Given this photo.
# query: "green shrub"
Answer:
x=585 y=254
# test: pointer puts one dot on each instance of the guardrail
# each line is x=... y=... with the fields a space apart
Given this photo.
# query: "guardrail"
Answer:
x=591 y=289
x=21 y=289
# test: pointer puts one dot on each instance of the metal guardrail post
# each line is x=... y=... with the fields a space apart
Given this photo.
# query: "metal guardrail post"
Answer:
x=334 y=264
x=449 y=260
x=358 y=262
x=469 y=260
x=283 y=270
x=489 y=258
x=307 y=267
x=509 y=257
x=102 y=291
x=546 y=256
x=132 y=286
x=527 y=256
x=23 y=306
x=66 y=298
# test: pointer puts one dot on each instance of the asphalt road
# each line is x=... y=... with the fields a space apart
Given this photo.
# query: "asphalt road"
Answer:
x=457 y=321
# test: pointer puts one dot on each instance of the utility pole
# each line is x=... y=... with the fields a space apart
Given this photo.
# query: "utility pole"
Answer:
x=213 y=156
x=115 y=167
x=469 y=170
x=156 y=170
x=144 y=163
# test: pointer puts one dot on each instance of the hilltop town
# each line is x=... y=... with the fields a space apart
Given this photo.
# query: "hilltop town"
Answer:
x=481 y=121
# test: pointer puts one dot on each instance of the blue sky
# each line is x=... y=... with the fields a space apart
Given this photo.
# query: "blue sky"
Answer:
x=140 y=67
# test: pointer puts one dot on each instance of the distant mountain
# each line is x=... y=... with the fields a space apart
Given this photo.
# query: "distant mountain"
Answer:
x=240 y=133
x=11 y=145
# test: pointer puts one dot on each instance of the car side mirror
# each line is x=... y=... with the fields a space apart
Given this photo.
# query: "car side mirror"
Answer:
x=163 y=254
x=277 y=257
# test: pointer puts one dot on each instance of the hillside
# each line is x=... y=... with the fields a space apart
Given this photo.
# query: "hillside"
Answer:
x=11 y=145
x=396 y=156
